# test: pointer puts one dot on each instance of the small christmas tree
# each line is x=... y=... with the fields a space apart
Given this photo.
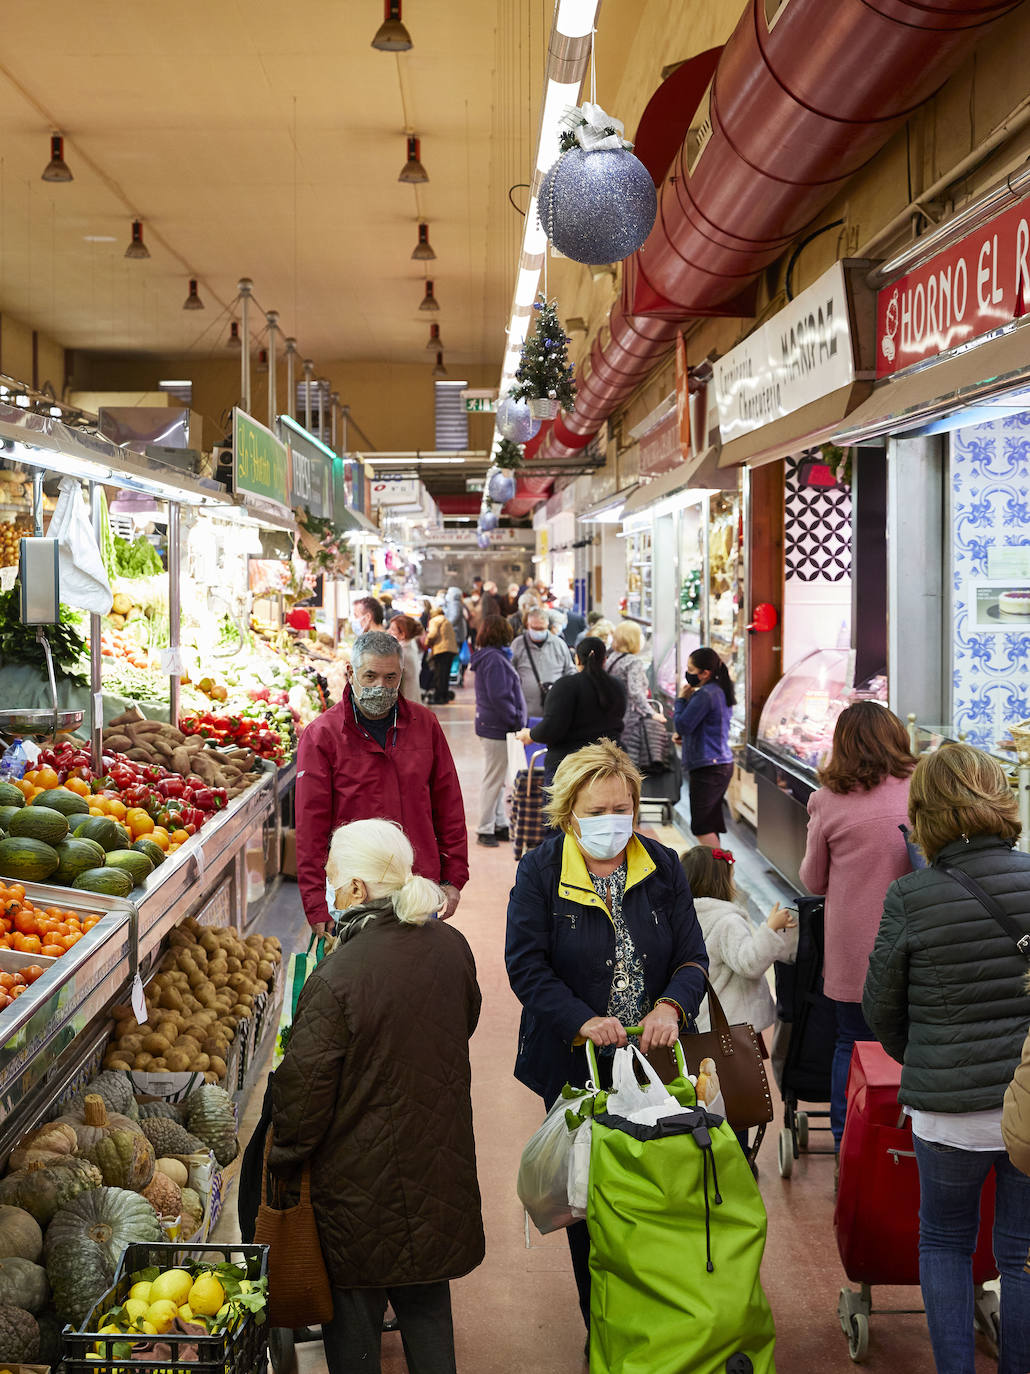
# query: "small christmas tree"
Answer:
x=544 y=371
x=508 y=455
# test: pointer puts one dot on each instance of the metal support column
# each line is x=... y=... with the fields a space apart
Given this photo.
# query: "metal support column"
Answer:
x=272 y=320
x=309 y=372
x=291 y=379
x=245 y=286
x=334 y=406
x=174 y=610
x=96 y=662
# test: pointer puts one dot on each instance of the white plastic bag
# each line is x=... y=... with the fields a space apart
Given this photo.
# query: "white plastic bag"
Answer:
x=544 y=1170
x=83 y=578
x=646 y=1104
x=578 y=1185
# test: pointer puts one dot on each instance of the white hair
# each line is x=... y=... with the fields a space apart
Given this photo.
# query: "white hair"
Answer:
x=379 y=854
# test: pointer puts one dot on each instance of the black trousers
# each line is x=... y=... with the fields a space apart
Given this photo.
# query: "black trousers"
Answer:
x=441 y=664
x=352 y=1339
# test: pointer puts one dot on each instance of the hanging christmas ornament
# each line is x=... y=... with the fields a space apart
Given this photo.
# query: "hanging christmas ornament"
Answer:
x=544 y=376
x=487 y=520
x=500 y=485
x=482 y=540
x=514 y=421
x=597 y=202
x=508 y=455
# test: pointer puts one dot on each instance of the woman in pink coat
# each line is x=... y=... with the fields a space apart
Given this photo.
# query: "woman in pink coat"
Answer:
x=855 y=851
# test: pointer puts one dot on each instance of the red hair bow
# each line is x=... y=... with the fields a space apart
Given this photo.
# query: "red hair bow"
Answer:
x=723 y=854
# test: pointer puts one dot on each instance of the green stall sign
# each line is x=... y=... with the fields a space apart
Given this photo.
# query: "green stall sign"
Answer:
x=260 y=463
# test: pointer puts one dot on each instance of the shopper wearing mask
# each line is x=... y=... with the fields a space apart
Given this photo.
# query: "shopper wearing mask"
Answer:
x=702 y=722
x=579 y=710
x=366 y=613
x=406 y=630
x=441 y=647
x=601 y=926
x=500 y=708
x=540 y=659
x=376 y=754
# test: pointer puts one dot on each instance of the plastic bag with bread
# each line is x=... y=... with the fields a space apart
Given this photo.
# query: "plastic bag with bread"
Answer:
x=707 y=1085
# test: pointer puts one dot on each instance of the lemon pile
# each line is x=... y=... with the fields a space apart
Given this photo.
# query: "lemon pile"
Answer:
x=152 y=1308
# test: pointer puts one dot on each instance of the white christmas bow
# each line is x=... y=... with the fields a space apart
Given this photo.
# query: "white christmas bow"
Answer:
x=594 y=129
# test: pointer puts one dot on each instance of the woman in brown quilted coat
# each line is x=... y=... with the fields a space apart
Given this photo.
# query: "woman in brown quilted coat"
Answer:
x=373 y=1093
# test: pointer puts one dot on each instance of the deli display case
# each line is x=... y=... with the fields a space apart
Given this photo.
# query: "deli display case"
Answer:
x=794 y=735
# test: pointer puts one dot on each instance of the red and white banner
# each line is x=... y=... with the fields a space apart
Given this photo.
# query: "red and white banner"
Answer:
x=975 y=286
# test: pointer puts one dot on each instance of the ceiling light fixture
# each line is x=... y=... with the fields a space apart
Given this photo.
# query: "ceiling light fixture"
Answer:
x=435 y=342
x=193 y=301
x=57 y=169
x=439 y=370
x=429 y=301
x=137 y=248
x=262 y=360
x=392 y=36
x=234 y=340
x=413 y=173
x=423 y=250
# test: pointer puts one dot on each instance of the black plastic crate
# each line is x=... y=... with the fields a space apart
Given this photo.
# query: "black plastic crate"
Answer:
x=242 y=1351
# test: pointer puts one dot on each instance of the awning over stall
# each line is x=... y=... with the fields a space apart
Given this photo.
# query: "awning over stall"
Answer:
x=809 y=427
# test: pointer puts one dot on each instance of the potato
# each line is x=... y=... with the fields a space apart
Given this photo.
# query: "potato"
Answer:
x=178 y=1061
x=266 y=970
x=234 y=965
x=208 y=940
x=168 y=1028
x=142 y=1061
x=218 y=1066
x=210 y=1077
x=215 y=1046
x=188 y=1045
x=155 y=1044
x=162 y=979
x=159 y=1065
x=189 y=1004
x=206 y=996
x=123 y=1013
x=201 y=1063
x=130 y=1044
x=172 y=999
x=115 y=1062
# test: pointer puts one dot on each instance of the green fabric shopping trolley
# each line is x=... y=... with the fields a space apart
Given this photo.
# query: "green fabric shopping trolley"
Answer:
x=677 y=1232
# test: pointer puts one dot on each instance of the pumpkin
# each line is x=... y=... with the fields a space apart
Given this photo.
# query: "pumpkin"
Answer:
x=42 y=1144
x=166 y=1109
x=115 y=1089
x=42 y=1188
x=23 y=1284
x=95 y=1121
x=192 y=1212
x=84 y=1243
x=173 y=1169
x=170 y=1138
x=210 y=1116
x=19 y=1335
x=20 y=1234
x=125 y=1158
x=164 y=1196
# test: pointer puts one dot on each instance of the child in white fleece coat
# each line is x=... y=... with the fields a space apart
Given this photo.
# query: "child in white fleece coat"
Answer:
x=739 y=952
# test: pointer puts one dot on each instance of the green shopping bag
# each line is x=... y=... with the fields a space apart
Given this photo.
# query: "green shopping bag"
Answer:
x=677 y=1232
x=297 y=972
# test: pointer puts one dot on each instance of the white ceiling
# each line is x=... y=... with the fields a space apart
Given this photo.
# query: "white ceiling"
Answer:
x=261 y=139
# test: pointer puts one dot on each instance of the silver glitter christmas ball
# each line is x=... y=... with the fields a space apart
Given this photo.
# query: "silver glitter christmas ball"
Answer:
x=514 y=421
x=487 y=521
x=597 y=207
x=500 y=486
x=483 y=540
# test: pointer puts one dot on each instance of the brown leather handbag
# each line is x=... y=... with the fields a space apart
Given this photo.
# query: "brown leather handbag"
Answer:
x=738 y=1062
x=299 y=1293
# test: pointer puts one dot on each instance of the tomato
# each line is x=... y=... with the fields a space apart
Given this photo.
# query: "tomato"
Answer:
x=17 y=991
x=52 y=951
x=179 y=836
x=30 y=776
x=67 y=941
x=17 y=891
x=7 y=980
x=28 y=944
x=33 y=972
x=25 y=922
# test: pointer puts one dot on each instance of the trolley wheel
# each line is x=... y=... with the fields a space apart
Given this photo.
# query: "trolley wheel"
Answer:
x=282 y=1350
x=785 y=1153
x=858 y=1337
x=802 y=1130
x=985 y=1315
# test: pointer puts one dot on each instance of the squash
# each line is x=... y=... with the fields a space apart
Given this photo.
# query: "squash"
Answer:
x=173 y=1169
x=20 y=1234
x=19 y=1335
x=85 y=1241
x=210 y=1116
x=75 y=856
x=42 y=1144
x=115 y=1089
x=192 y=1212
x=39 y=823
x=94 y=1122
x=23 y=1284
x=170 y=1138
x=29 y=861
x=42 y=1189
x=112 y=882
x=60 y=799
x=164 y=1196
x=11 y=795
x=166 y=1109
x=125 y=1158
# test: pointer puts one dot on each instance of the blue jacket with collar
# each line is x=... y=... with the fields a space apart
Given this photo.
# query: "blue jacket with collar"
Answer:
x=560 y=949
x=703 y=720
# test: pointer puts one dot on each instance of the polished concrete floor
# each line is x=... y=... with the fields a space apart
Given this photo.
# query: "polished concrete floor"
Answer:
x=517 y=1313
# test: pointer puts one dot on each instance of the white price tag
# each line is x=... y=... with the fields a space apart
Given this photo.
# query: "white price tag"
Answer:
x=200 y=862
x=139 y=1001
x=170 y=662
x=98 y=707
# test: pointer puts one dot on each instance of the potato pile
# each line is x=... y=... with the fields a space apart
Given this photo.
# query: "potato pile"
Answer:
x=154 y=742
x=206 y=986
x=10 y=538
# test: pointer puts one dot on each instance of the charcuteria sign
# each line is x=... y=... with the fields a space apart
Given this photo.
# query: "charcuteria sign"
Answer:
x=975 y=286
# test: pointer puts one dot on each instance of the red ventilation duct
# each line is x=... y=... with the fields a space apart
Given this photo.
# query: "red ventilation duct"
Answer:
x=804 y=93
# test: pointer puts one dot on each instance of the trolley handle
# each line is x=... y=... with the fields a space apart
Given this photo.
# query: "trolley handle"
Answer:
x=681 y=1063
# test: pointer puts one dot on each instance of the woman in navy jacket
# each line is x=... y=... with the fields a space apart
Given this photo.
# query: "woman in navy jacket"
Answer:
x=702 y=721
x=600 y=927
x=500 y=709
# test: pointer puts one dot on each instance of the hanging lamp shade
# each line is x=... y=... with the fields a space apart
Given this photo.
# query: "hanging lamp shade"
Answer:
x=137 y=248
x=57 y=169
x=435 y=343
x=429 y=301
x=413 y=172
x=439 y=370
x=392 y=36
x=234 y=340
x=423 y=251
x=193 y=301
x=262 y=360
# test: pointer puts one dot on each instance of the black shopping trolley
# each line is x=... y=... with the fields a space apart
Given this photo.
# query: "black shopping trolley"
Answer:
x=528 y=827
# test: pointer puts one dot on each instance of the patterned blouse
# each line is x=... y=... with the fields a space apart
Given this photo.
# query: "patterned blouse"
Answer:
x=626 y=999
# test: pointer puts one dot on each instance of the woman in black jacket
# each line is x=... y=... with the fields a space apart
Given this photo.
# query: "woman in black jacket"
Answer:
x=579 y=709
x=946 y=995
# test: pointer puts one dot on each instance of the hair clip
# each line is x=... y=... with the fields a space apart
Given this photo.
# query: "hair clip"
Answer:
x=723 y=854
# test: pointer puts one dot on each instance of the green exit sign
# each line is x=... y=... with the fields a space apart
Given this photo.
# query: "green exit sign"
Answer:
x=475 y=483
x=486 y=405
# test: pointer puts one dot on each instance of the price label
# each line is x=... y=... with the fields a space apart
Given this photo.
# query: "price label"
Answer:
x=170 y=662
x=200 y=862
x=138 y=999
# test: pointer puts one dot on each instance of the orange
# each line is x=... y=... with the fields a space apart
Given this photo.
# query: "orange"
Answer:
x=180 y=836
x=23 y=785
x=46 y=778
x=115 y=808
x=90 y=922
x=160 y=837
x=30 y=776
x=79 y=786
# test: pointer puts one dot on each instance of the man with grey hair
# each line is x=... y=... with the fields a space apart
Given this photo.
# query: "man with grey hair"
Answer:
x=376 y=754
x=540 y=658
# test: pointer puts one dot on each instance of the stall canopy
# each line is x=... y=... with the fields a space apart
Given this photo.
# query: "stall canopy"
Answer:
x=983 y=379
x=806 y=428
x=608 y=510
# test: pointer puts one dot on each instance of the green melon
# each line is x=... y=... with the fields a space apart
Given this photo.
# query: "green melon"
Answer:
x=60 y=799
x=27 y=860
x=11 y=795
x=76 y=856
x=106 y=832
x=6 y=812
x=115 y=882
x=151 y=849
x=38 y=823
x=131 y=861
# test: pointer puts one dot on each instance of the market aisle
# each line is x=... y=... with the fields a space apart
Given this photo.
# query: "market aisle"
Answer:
x=517 y=1312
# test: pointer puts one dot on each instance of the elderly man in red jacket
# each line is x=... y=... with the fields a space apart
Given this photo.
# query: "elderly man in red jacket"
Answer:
x=377 y=754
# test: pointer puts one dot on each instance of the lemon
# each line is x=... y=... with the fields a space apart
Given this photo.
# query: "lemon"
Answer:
x=136 y=1307
x=206 y=1295
x=141 y=1291
x=148 y=1328
x=186 y=1312
x=162 y=1314
x=173 y=1284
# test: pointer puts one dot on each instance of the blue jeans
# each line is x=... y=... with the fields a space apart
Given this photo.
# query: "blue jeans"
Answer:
x=950 y=1182
x=851 y=1026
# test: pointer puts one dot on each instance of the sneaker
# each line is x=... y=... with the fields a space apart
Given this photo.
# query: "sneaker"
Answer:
x=491 y=841
x=502 y=833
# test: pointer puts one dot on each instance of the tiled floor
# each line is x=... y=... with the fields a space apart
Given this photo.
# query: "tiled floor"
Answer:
x=517 y=1313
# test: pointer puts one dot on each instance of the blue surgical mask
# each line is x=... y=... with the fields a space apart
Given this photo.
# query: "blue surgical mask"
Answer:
x=603 y=837
x=537 y=636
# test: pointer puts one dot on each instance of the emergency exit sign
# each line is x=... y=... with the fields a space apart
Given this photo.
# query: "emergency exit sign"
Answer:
x=481 y=404
x=475 y=483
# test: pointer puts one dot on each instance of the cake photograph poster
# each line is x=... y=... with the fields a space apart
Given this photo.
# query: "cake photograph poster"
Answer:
x=1001 y=606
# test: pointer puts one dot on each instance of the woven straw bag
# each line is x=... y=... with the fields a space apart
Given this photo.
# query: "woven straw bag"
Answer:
x=299 y=1293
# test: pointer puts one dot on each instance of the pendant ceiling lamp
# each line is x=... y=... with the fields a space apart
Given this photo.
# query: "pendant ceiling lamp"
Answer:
x=193 y=301
x=137 y=248
x=439 y=370
x=234 y=340
x=435 y=342
x=57 y=169
x=429 y=301
x=413 y=173
x=423 y=251
x=392 y=36
x=262 y=360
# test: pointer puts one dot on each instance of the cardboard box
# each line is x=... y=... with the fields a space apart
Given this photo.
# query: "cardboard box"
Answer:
x=288 y=867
